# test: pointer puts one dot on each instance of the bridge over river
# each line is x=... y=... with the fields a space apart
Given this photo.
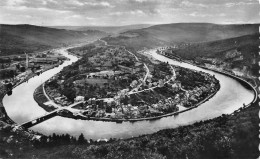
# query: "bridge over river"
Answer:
x=47 y=116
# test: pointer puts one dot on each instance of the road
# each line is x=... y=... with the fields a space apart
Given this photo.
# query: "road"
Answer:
x=173 y=78
x=137 y=59
x=50 y=100
x=147 y=72
x=46 y=116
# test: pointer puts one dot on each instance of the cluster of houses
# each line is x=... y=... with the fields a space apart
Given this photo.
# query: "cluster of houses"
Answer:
x=217 y=64
x=122 y=65
x=57 y=97
x=168 y=52
x=33 y=62
x=116 y=63
x=195 y=94
x=166 y=104
x=113 y=108
x=110 y=108
x=46 y=58
x=111 y=57
x=221 y=64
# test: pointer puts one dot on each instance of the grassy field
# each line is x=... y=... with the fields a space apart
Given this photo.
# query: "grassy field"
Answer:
x=97 y=81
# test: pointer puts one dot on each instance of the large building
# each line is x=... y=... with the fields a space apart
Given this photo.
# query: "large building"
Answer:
x=44 y=60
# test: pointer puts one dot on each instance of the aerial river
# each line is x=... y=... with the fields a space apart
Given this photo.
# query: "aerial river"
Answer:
x=21 y=107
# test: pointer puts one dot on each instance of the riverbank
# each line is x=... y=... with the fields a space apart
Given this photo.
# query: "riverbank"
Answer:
x=40 y=99
x=12 y=135
x=3 y=114
x=242 y=81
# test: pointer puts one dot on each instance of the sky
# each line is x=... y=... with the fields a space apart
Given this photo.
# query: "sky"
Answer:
x=127 y=12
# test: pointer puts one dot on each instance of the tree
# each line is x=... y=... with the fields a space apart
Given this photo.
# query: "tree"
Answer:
x=18 y=66
x=81 y=139
x=124 y=100
x=69 y=93
x=54 y=83
x=22 y=69
x=9 y=86
x=9 y=92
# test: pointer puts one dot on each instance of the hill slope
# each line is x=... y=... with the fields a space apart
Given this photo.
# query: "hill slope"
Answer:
x=181 y=33
x=199 y=32
x=108 y=29
x=247 y=44
x=238 y=52
x=15 y=39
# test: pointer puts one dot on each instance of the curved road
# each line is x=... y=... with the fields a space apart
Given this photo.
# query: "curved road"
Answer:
x=21 y=107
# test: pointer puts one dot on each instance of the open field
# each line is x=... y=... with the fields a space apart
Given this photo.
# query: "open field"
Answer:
x=96 y=81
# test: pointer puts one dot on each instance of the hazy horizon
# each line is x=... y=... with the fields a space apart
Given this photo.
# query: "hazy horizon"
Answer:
x=131 y=24
x=127 y=12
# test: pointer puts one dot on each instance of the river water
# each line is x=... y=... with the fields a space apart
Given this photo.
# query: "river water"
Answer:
x=21 y=107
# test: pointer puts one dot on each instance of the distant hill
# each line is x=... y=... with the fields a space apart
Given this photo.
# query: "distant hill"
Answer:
x=200 y=32
x=247 y=45
x=181 y=33
x=17 y=39
x=136 y=40
x=108 y=29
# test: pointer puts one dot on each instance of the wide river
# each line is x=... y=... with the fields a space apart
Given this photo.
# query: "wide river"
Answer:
x=21 y=107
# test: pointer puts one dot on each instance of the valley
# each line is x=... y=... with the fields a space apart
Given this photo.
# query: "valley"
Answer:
x=147 y=76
